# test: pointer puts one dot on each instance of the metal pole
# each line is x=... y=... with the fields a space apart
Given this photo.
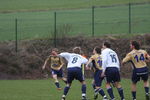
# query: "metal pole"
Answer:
x=93 y=21
x=130 y=18
x=16 y=34
x=55 y=30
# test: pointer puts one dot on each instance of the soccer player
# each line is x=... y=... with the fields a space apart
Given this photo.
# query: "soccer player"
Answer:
x=75 y=60
x=138 y=59
x=56 y=63
x=111 y=67
x=96 y=61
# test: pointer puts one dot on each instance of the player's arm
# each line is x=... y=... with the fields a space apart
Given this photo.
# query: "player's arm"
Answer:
x=104 y=62
x=88 y=63
x=62 y=62
x=64 y=55
x=45 y=63
x=126 y=59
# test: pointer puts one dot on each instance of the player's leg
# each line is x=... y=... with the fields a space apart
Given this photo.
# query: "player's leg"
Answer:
x=79 y=76
x=54 y=75
x=93 y=84
x=120 y=90
x=83 y=89
x=62 y=76
x=64 y=79
x=146 y=85
x=70 y=78
x=117 y=80
x=135 y=79
x=110 y=90
x=98 y=82
x=109 y=79
x=133 y=90
x=66 y=90
x=56 y=81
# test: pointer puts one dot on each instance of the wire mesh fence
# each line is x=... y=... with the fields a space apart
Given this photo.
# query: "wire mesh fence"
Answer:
x=94 y=21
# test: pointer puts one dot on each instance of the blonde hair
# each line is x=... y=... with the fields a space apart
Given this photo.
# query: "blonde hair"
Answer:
x=77 y=50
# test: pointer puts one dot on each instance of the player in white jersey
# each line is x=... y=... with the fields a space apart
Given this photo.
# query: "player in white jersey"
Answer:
x=110 y=65
x=74 y=70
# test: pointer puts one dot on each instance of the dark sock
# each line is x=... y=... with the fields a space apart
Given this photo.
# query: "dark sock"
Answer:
x=57 y=84
x=120 y=91
x=66 y=89
x=101 y=92
x=146 y=90
x=134 y=94
x=83 y=89
x=110 y=92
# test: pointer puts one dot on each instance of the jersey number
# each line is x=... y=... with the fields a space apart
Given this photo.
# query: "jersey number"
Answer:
x=99 y=62
x=74 y=60
x=139 y=58
x=114 y=59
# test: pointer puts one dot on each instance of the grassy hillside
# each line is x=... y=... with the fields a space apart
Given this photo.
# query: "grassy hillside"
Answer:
x=46 y=90
x=24 y=5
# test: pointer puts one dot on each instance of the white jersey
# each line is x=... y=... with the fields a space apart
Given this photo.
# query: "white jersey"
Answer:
x=74 y=60
x=109 y=59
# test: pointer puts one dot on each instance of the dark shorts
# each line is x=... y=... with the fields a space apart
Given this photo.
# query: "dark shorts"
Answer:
x=59 y=73
x=112 y=75
x=97 y=78
x=74 y=73
x=140 y=73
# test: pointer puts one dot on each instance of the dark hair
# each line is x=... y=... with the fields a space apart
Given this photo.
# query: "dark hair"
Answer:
x=107 y=44
x=77 y=50
x=135 y=44
x=97 y=49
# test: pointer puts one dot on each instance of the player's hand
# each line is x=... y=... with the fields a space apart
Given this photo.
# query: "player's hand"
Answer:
x=87 y=68
x=103 y=74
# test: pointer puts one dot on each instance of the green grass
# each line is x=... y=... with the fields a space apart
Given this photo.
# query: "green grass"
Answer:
x=46 y=90
x=110 y=20
x=24 y=5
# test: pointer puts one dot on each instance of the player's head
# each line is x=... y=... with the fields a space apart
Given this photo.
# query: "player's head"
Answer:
x=134 y=45
x=97 y=50
x=54 y=51
x=77 y=50
x=106 y=45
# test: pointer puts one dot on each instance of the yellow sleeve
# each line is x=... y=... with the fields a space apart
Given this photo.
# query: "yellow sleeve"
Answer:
x=127 y=58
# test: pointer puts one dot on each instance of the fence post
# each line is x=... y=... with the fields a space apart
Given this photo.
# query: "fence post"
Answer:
x=55 y=30
x=16 y=34
x=93 y=21
x=130 y=26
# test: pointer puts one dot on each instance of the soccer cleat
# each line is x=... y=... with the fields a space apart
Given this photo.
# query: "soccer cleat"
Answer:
x=105 y=98
x=84 y=98
x=95 y=96
x=147 y=96
x=63 y=98
x=134 y=99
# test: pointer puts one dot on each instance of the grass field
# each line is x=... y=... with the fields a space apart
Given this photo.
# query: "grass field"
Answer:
x=30 y=5
x=45 y=90
x=36 y=19
x=111 y=20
